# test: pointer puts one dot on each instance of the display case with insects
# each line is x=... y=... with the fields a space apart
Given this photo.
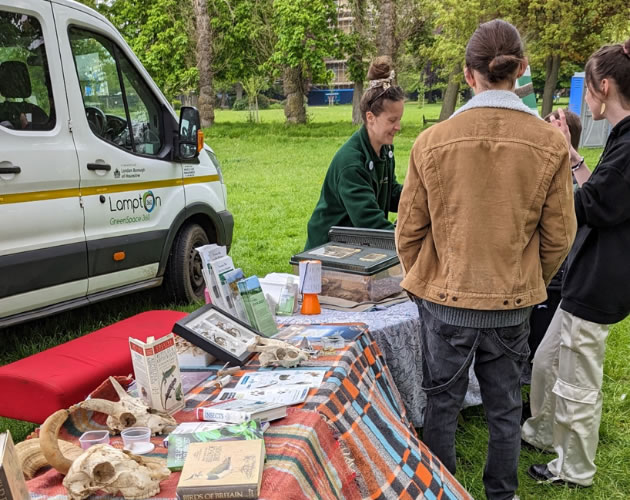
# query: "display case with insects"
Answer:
x=218 y=333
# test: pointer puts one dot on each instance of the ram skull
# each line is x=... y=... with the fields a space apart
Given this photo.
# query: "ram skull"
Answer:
x=104 y=468
x=100 y=467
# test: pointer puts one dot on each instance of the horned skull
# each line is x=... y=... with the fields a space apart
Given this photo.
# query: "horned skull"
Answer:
x=278 y=353
x=120 y=415
x=101 y=467
x=104 y=468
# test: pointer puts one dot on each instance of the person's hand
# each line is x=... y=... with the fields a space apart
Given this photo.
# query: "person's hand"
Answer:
x=561 y=124
x=23 y=120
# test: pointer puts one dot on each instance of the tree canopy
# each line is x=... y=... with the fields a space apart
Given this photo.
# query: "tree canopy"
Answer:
x=296 y=40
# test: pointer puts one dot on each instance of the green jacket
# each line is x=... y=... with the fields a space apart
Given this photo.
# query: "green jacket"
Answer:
x=359 y=190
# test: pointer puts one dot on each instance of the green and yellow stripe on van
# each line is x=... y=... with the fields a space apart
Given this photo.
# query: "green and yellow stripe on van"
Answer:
x=55 y=194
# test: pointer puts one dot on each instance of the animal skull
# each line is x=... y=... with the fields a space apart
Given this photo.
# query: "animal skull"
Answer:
x=278 y=353
x=119 y=416
x=31 y=458
x=101 y=467
x=104 y=468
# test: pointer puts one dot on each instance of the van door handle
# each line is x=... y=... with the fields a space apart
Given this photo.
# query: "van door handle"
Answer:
x=10 y=170
x=99 y=166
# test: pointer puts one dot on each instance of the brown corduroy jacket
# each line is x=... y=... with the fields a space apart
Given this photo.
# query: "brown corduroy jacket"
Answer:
x=486 y=214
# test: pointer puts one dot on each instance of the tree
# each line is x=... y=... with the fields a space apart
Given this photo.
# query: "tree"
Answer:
x=204 y=53
x=415 y=30
x=157 y=31
x=254 y=85
x=455 y=22
x=387 y=42
x=564 y=31
x=243 y=38
x=357 y=47
x=307 y=35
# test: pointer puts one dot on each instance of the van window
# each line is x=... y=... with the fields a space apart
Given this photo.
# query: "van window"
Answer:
x=26 y=101
x=119 y=106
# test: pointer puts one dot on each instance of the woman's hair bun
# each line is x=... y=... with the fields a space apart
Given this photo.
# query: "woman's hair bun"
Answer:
x=502 y=66
x=381 y=67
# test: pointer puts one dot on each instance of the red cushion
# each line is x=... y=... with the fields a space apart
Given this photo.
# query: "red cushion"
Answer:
x=34 y=387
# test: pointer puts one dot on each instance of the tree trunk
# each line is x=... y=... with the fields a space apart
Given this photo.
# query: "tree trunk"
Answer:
x=387 y=45
x=204 y=62
x=357 y=119
x=450 y=96
x=552 y=67
x=294 y=108
x=238 y=87
x=356 y=62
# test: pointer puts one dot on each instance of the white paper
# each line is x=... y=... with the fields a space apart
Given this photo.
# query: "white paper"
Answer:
x=286 y=394
x=277 y=378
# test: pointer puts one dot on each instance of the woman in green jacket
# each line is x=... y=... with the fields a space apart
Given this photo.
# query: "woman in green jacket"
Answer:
x=360 y=187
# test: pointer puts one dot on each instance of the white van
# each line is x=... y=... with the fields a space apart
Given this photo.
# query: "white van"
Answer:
x=102 y=191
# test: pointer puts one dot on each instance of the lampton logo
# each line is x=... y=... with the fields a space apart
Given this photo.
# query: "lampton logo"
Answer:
x=144 y=201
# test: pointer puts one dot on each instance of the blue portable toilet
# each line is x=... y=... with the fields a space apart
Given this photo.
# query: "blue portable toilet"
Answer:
x=594 y=133
x=576 y=93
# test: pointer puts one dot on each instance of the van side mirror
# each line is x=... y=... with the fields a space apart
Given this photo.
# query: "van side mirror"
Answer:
x=190 y=137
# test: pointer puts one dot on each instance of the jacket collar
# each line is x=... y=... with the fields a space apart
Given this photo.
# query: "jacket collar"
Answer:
x=496 y=99
x=621 y=128
x=386 y=151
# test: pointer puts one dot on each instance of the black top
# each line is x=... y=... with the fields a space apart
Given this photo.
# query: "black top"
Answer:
x=596 y=284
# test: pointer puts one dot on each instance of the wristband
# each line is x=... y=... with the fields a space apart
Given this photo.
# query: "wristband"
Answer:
x=577 y=165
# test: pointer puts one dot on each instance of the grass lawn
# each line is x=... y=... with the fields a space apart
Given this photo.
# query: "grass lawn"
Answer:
x=274 y=175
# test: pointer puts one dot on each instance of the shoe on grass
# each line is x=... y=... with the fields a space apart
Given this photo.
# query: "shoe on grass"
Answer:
x=541 y=473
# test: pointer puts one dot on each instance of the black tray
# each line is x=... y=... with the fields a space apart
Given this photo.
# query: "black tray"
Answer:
x=218 y=333
x=355 y=259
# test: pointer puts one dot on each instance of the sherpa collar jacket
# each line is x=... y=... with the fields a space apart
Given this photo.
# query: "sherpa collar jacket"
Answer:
x=486 y=214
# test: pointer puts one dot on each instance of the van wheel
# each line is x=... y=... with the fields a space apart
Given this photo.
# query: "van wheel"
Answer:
x=184 y=280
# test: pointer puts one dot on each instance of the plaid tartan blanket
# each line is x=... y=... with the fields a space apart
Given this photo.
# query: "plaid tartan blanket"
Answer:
x=303 y=461
x=357 y=412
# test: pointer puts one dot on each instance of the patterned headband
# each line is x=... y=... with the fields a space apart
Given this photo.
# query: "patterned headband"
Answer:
x=382 y=82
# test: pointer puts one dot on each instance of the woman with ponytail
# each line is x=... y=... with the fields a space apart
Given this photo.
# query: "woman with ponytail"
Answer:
x=360 y=187
x=484 y=222
x=566 y=397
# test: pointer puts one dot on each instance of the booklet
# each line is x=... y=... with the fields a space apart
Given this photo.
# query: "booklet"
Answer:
x=314 y=332
x=312 y=377
x=209 y=253
x=156 y=370
x=285 y=394
x=178 y=441
x=241 y=410
x=223 y=469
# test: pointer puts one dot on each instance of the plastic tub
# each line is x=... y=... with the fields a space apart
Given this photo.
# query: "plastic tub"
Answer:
x=137 y=439
x=91 y=438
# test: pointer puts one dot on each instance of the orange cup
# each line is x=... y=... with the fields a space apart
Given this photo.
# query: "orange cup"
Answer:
x=310 y=304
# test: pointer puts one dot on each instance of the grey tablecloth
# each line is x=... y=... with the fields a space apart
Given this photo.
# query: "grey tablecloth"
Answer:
x=395 y=330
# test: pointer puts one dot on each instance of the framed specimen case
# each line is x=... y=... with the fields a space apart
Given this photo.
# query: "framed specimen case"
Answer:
x=218 y=333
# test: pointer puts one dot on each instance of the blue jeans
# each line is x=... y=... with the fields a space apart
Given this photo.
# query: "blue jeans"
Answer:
x=499 y=354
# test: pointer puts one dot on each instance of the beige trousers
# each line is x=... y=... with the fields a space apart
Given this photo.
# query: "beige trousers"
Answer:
x=566 y=398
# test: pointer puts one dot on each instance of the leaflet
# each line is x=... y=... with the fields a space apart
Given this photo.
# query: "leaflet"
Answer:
x=285 y=394
x=281 y=378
